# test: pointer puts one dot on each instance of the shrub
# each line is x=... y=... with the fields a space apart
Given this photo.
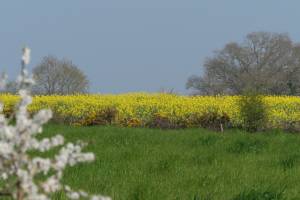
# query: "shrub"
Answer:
x=253 y=112
x=106 y=117
x=211 y=120
x=160 y=121
x=20 y=170
x=131 y=122
x=291 y=126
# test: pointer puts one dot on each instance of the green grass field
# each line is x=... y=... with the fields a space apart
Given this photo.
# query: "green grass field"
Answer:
x=191 y=164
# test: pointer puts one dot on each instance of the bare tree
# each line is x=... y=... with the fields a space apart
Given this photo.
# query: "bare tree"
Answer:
x=164 y=90
x=55 y=76
x=265 y=62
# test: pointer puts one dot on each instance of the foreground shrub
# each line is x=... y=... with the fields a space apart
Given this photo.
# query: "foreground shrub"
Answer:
x=20 y=172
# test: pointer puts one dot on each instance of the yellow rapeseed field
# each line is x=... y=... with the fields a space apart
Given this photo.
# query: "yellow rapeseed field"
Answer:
x=138 y=109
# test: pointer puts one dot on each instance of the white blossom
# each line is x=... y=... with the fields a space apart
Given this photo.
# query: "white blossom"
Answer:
x=5 y=149
x=17 y=140
x=51 y=185
x=26 y=55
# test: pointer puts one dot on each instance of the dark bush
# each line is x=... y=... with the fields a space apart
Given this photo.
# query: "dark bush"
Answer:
x=211 y=120
x=253 y=112
x=159 y=121
x=106 y=117
x=164 y=122
x=291 y=126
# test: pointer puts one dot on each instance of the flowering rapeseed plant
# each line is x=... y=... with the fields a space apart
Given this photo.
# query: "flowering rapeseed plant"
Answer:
x=18 y=169
x=137 y=109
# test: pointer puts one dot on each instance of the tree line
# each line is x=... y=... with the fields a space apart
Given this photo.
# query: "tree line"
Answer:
x=56 y=76
x=265 y=63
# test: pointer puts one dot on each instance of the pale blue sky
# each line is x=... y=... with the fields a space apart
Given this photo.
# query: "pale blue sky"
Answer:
x=136 y=45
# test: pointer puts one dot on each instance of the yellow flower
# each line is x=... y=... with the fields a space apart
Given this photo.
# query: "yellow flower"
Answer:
x=136 y=109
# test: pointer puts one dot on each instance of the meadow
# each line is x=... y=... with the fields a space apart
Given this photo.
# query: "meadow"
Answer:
x=195 y=164
x=162 y=146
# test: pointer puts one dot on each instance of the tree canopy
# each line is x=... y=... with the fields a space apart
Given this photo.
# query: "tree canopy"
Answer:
x=55 y=76
x=264 y=62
